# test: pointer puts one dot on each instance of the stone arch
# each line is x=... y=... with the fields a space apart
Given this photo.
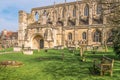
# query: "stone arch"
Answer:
x=37 y=41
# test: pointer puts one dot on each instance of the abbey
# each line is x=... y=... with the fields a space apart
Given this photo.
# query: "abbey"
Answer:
x=66 y=24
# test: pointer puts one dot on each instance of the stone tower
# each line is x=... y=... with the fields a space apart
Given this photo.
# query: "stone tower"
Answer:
x=22 y=27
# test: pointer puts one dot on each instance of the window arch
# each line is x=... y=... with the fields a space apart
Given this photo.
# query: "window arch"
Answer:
x=99 y=9
x=45 y=13
x=36 y=16
x=86 y=10
x=74 y=12
x=97 y=36
x=84 y=36
x=70 y=36
x=63 y=13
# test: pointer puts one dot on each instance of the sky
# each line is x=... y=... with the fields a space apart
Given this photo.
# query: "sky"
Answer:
x=9 y=11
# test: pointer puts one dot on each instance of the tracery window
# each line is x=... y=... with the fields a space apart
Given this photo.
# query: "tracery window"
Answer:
x=86 y=10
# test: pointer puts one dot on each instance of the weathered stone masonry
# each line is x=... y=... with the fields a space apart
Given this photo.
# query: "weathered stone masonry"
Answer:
x=67 y=24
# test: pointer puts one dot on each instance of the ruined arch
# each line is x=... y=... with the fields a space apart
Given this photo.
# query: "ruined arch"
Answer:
x=37 y=41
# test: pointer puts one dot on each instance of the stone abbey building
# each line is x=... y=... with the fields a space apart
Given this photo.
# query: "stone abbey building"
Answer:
x=66 y=24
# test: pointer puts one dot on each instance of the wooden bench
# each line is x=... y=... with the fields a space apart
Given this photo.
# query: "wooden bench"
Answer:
x=104 y=65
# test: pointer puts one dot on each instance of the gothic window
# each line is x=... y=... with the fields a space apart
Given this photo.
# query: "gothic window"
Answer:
x=97 y=36
x=84 y=35
x=74 y=12
x=98 y=9
x=63 y=13
x=36 y=16
x=70 y=36
x=86 y=10
x=44 y=13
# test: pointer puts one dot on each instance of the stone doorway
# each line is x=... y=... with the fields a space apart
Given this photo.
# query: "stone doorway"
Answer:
x=37 y=42
x=41 y=44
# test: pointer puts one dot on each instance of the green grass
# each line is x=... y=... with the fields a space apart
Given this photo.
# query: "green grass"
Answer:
x=6 y=50
x=49 y=66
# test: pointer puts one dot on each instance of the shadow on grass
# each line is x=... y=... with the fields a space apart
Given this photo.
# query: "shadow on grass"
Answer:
x=70 y=66
x=48 y=58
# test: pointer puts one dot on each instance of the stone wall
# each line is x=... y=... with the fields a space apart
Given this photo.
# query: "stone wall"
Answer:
x=75 y=18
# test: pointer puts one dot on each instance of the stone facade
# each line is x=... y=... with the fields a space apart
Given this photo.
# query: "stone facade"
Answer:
x=67 y=24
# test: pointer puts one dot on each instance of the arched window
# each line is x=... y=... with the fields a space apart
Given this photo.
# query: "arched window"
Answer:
x=97 y=36
x=36 y=16
x=70 y=36
x=86 y=10
x=99 y=9
x=45 y=13
x=84 y=36
x=63 y=13
x=74 y=12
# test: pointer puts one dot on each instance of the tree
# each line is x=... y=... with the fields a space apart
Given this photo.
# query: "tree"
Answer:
x=111 y=9
x=116 y=41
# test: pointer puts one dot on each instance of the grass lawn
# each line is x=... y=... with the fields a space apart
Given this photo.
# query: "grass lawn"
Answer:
x=6 y=50
x=49 y=66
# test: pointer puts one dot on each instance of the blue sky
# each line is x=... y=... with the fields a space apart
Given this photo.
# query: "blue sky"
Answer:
x=9 y=11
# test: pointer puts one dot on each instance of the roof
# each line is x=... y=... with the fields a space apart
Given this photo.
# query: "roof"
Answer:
x=57 y=5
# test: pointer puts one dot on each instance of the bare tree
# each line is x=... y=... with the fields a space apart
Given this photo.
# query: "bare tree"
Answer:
x=111 y=10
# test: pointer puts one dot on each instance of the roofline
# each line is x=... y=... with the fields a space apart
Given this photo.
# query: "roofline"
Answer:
x=57 y=5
